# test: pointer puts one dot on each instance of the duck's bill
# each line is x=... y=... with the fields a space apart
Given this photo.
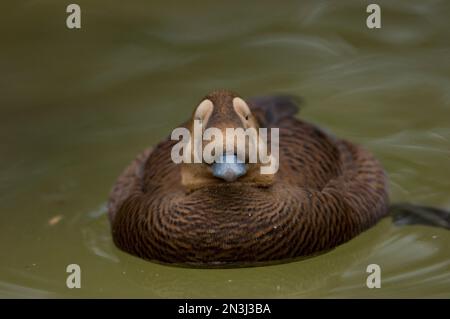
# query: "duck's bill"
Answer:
x=228 y=168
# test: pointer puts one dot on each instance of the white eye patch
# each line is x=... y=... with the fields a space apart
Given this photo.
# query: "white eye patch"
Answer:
x=241 y=107
x=204 y=111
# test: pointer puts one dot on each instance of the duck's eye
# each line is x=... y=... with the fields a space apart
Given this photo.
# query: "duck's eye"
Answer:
x=241 y=108
x=203 y=111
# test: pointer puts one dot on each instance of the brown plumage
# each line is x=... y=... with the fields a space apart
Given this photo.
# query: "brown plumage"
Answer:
x=325 y=192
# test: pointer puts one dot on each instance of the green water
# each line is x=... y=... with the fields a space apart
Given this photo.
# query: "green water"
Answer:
x=77 y=105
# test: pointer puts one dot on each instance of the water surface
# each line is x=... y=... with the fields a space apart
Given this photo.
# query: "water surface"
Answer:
x=77 y=105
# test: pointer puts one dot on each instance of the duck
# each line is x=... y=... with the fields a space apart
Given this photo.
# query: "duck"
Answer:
x=325 y=192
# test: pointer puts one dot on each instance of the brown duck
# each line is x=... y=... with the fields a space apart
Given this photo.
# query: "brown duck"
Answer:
x=325 y=192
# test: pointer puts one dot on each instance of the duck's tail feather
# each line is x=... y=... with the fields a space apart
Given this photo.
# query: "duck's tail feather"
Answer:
x=272 y=108
x=410 y=214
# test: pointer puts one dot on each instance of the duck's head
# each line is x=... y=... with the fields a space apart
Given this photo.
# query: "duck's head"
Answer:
x=222 y=111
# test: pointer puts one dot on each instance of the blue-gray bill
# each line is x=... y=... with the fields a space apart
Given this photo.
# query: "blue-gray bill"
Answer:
x=228 y=168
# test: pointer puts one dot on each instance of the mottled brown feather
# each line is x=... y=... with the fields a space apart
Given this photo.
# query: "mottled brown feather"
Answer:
x=326 y=192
